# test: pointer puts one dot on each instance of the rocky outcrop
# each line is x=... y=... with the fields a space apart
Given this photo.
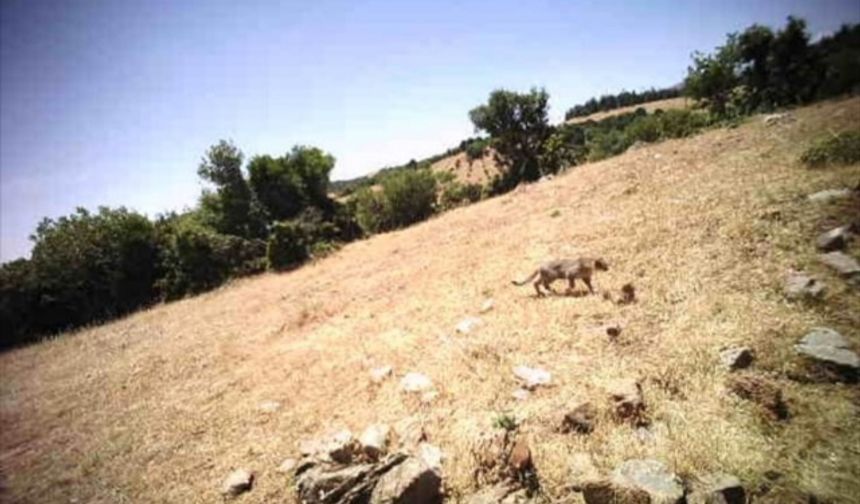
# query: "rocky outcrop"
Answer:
x=830 y=352
x=636 y=482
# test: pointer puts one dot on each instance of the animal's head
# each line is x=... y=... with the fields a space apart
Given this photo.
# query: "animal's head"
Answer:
x=601 y=265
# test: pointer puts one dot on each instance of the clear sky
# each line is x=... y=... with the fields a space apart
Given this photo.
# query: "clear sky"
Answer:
x=113 y=102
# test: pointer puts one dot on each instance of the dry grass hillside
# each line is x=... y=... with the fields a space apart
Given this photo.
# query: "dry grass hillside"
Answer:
x=667 y=104
x=161 y=405
x=478 y=171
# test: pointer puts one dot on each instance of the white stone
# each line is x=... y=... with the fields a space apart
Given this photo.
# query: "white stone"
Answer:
x=237 y=482
x=468 y=324
x=521 y=394
x=379 y=374
x=532 y=377
x=287 y=465
x=374 y=440
x=829 y=195
x=269 y=406
x=415 y=382
x=487 y=305
x=843 y=263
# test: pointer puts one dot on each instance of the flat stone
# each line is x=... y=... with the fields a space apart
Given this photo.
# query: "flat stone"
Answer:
x=843 y=263
x=835 y=239
x=468 y=324
x=413 y=481
x=734 y=358
x=829 y=195
x=415 y=382
x=799 y=286
x=830 y=348
x=431 y=455
x=717 y=488
x=532 y=378
x=237 y=482
x=637 y=482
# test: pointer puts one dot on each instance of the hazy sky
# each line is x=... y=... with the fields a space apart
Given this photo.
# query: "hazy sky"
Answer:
x=113 y=102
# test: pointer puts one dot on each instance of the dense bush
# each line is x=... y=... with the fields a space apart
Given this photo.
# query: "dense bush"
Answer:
x=840 y=149
x=456 y=194
x=403 y=198
x=195 y=258
x=84 y=267
x=288 y=245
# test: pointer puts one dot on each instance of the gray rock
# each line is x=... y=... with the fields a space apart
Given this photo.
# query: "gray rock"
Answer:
x=269 y=406
x=834 y=239
x=777 y=118
x=637 y=482
x=237 y=482
x=379 y=374
x=828 y=347
x=323 y=483
x=717 y=488
x=487 y=305
x=407 y=483
x=532 y=378
x=829 y=195
x=736 y=358
x=342 y=447
x=799 y=286
x=843 y=263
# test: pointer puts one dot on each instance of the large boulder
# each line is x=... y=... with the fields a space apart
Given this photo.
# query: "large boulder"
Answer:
x=636 y=482
x=830 y=350
x=411 y=482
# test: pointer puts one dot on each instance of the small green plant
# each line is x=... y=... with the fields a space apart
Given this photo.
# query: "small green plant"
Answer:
x=505 y=421
x=839 y=149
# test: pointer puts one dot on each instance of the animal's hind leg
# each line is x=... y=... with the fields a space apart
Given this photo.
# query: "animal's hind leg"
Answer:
x=571 y=285
x=537 y=287
x=588 y=283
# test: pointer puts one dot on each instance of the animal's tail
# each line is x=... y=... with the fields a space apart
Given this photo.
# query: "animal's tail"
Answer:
x=527 y=280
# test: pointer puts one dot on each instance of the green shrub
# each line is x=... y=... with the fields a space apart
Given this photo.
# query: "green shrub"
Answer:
x=476 y=149
x=410 y=196
x=370 y=210
x=195 y=259
x=456 y=194
x=288 y=245
x=840 y=149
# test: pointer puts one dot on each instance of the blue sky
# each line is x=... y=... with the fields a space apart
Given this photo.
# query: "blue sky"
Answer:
x=113 y=102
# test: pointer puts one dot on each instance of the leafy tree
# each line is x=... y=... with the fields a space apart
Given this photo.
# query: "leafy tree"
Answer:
x=288 y=245
x=92 y=266
x=410 y=196
x=518 y=127
x=231 y=209
x=712 y=78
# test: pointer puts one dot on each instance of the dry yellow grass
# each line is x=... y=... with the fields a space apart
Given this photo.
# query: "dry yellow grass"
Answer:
x=159 y=406
x=667 y=104
x=478 y=171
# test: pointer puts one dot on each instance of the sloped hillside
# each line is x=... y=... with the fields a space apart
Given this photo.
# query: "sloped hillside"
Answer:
x=650 y=107
x=161 y=405
x=477 y=171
